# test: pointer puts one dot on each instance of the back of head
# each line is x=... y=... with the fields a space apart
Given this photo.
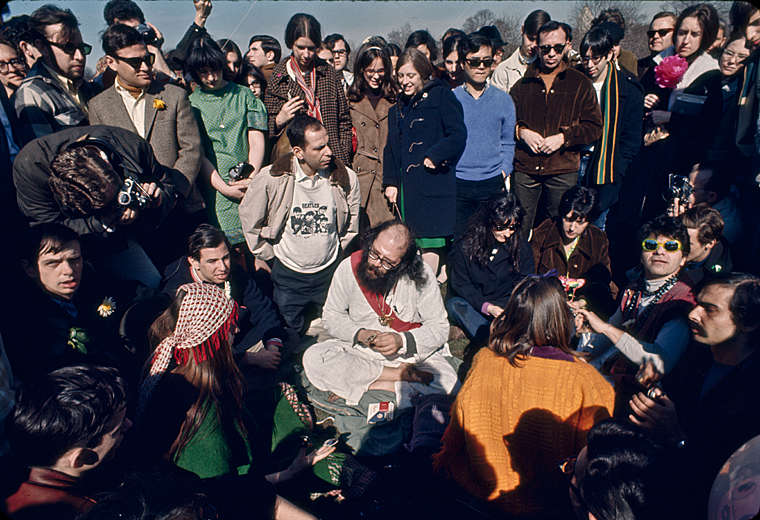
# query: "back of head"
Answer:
x=534 y=21
x=70 y=407
x=706 y=220
x=626 y=474
x=205 y=236
x=268 y=44
x=578 y=201
x=612 y=15
x=122 y=10
x=536 y=315
x=745 y=302
x=494 y=36
x=302 y=25
x=226 y=45
x=50 y=15
x=204 y=54
x=83 y=180
x=740 y=14
x=119 y=36
x=19 y=29
x=298 y=128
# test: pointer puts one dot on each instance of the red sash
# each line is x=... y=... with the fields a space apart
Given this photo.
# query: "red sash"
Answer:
x=377 y=301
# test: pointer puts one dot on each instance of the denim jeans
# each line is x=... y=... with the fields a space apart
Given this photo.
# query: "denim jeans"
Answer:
x=475 y=325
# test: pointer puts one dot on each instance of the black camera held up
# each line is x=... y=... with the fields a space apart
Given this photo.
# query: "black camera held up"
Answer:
x=149 y=35
x=679 y=188
x=132 y=195
x=240 y=171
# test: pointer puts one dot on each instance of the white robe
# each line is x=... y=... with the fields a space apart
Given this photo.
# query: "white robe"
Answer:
x=347 y=369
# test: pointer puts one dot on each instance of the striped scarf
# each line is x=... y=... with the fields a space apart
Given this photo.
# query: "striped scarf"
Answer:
x=309 y=92
x=604 y=169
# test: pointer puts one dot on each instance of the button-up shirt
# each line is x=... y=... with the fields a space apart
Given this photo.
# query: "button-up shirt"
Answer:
x=135 y=107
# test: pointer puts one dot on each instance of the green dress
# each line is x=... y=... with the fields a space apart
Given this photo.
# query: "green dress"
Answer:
x=225 y=116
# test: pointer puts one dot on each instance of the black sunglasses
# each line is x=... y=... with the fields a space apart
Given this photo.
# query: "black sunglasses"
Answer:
x=477 y=62
x=136 y=62
x=70 y=48
x=546 y=49
x=662 y=33
x=501 y=227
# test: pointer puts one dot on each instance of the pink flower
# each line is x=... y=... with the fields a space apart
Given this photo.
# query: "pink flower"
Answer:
x=670 y=71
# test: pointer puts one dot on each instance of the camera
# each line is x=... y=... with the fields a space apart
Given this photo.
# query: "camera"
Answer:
x=240 y=171
x=132 y=195
x=679 y=187
x=149 y=36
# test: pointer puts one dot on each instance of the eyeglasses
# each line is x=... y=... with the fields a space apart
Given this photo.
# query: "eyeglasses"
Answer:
x=17 y=63
x=70 y=48
x=136 y=62
x=651 y=245
x=593 y=59
x=502 y=227
x=546 y=49
x=374 y=72
x=477 y=62
x=662 y=33
x=732 y=54
x=385 y=264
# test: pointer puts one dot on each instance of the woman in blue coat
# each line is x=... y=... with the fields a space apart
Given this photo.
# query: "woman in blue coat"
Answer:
x=426 y=137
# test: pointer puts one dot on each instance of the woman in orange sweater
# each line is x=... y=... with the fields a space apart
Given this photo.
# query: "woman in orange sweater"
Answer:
x=526 y=406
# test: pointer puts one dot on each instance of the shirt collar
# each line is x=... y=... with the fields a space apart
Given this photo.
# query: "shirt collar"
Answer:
x=67 y=83
x=125 y=91
x=301 y=176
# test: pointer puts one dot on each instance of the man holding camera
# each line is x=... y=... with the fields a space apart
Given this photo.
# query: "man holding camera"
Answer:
x=158 y=112
x=105 y=184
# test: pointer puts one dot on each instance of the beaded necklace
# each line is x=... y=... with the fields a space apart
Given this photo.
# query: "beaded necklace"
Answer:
x=635 y=296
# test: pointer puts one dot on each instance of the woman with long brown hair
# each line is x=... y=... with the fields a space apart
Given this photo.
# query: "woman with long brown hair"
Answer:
x=191 y=402
x=525 y=406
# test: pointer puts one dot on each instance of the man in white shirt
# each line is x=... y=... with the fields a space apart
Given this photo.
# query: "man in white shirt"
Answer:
x=509 y=71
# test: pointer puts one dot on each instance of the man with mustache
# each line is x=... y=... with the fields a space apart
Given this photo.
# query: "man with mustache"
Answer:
x=385 y=313
x=708 y=405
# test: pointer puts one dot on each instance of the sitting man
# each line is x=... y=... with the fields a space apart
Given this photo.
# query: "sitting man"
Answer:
x=385 y=313
x=104 y=183
x=65 y=426
x=708 y=253
x=298 y=214
x=650 y=324
x=208 y=260
x=575 y=248
x=65 y=315
x=709 y=409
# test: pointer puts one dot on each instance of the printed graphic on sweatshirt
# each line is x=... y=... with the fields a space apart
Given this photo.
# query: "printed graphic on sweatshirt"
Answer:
x=309 y=219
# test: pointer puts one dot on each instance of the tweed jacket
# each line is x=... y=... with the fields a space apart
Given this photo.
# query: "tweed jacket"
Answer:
x=570 y=107
x=266 y=206
x=43 y=106
x=332 y=99
x=171 y=131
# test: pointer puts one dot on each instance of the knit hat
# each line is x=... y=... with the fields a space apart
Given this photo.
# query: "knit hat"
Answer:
x=205 y=319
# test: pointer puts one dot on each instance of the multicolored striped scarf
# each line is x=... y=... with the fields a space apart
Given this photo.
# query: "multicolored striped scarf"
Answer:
x=310 y=93
x=604 y=168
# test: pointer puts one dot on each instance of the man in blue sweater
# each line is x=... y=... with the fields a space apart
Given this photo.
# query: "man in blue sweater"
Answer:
x=489 y=116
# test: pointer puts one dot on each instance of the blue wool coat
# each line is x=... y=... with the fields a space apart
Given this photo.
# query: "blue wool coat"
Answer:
x=430 y=124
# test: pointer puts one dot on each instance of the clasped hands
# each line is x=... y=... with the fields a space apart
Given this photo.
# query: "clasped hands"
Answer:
x=540 y=144
x=386 y=343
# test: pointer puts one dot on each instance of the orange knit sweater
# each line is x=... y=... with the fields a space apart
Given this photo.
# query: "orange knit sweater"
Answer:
x=511 y=427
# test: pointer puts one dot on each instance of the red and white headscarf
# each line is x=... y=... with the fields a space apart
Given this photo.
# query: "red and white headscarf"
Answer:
x=206 y=317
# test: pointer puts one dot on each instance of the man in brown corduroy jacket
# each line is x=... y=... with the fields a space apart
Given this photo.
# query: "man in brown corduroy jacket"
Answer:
x=557 y=115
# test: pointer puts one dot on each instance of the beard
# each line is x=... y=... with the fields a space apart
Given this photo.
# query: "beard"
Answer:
x=374 y=279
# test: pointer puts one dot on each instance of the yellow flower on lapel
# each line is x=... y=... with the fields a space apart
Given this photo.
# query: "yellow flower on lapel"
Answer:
x=159 y=104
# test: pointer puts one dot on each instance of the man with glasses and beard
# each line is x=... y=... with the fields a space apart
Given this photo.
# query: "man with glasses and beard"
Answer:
x=54 y=94
x=385 y=314
x=557 y=114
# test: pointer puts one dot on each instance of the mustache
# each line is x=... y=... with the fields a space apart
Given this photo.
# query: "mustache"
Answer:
x=699 y=329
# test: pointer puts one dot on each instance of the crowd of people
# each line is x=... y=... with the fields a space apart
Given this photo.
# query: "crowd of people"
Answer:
x=431 y=281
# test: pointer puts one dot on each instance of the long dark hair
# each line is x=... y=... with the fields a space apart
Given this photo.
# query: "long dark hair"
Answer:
x=217 y=378
x=478 y=240
x=364 y=58
x=536 y=315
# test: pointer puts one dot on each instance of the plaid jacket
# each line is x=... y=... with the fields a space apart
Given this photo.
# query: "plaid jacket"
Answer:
x=43 y=106
x=334 y=107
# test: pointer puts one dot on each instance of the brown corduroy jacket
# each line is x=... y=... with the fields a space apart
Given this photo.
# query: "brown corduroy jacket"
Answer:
x=570 y=107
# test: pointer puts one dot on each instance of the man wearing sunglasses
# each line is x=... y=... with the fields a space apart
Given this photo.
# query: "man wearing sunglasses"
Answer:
x=489 y=116
x=156 y=111
x=54 y=94
x=659 y=38
x=650 y=324
x=557 y=115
